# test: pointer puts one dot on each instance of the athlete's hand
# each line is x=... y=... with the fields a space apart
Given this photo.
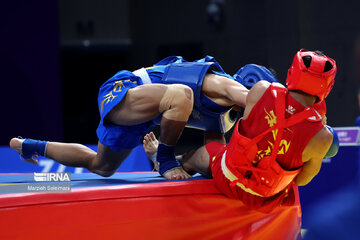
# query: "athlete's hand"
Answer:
x=176 y=174
x=32 y=160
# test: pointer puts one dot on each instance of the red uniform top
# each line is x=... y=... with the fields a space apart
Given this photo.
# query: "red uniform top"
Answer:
x=248 y=168
x=294 y=139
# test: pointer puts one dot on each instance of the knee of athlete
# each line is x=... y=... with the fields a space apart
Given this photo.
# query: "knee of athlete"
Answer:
x=183 y=98
x=103 y=170
x=177 y=102
x=104 y=173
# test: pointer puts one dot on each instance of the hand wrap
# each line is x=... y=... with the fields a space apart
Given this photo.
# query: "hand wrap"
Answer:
x=32 y=147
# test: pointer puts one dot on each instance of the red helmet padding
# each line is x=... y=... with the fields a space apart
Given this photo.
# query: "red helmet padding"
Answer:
x=311 y=80
x=320 y=107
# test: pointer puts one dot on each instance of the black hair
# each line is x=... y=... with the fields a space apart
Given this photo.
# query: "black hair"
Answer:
x=272 y=71
x=320 y=53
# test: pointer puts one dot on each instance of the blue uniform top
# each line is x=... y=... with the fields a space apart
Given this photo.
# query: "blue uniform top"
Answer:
x=206 y=114
x=156 y=75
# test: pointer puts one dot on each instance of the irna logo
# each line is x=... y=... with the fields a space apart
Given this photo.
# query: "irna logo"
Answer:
x=52 y=177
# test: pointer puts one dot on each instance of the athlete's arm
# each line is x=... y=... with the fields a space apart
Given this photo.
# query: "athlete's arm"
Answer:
x=309 y=170
x=235 y=93
x=313 y=155
x=224 y=91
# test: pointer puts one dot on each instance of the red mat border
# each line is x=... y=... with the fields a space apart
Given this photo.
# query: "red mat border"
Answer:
x=175 y=188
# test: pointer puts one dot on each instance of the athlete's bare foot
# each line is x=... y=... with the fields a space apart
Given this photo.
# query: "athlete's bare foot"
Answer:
x=176 y=174
x=151 y=144
x=16 y=144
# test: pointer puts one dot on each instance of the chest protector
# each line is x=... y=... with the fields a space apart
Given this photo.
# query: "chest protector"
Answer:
x=191 y=74
x=266 y=178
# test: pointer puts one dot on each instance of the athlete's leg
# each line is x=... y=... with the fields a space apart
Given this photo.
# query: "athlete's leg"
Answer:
x=145 y=102
x=214 y=137
x=107 y=161
x=175 y=102
x=197 y=161
x=141 y=104
x=103 y=162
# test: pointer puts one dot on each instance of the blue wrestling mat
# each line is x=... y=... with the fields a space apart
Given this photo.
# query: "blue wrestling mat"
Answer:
x=9 y=183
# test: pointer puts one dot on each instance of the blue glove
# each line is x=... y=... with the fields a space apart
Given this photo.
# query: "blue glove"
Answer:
x=335 y=144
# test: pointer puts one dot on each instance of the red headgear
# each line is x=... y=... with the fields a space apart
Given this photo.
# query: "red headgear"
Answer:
x=316 y=78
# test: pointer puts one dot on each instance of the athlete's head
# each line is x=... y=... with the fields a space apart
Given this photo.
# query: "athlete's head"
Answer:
x=312 y=73
x=250 y=74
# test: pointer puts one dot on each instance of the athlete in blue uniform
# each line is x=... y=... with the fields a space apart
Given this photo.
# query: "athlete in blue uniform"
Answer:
x=130 y=103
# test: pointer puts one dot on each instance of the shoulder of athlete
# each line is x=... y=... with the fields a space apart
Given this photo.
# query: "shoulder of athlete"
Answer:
x=318 y=145
x=257 y=91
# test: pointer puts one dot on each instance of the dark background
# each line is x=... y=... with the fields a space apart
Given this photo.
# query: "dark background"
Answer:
x=54 y=55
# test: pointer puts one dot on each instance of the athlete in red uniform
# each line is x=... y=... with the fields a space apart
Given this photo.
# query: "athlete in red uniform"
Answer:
x=280 y=140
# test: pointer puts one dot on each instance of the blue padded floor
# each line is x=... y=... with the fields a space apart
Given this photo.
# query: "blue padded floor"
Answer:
x=87 y=180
